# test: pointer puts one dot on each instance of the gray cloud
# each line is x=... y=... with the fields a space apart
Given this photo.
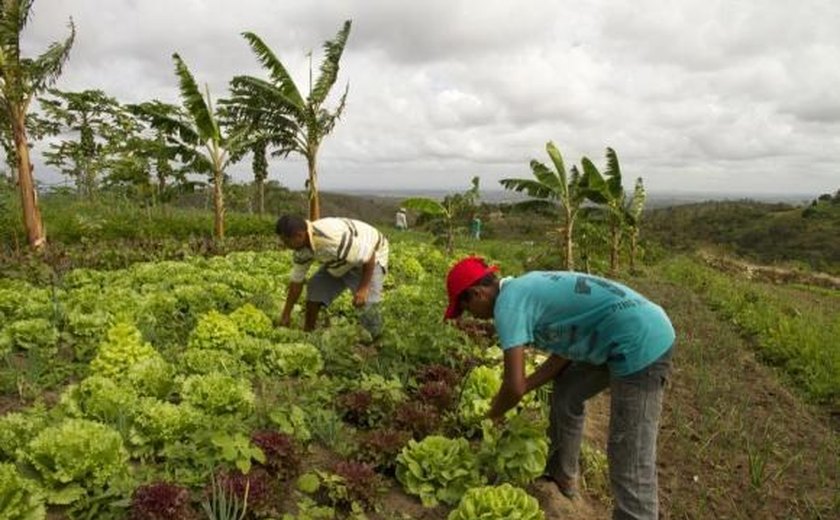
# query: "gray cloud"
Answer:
x=694 y=95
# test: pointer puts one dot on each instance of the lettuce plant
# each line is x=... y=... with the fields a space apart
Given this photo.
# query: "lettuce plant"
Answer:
x=205 y=361
x=478 y=390
x=282 y=453
x=152 y=377
x=74 y=456
x=161 y=501
x=492 y=502
x=123 y=347
x=28 y=334
x=517 y=451
x=104 y=399
x=20 y=498
x=17 y=429
x=218 y=394
x=159 y=422
x=438 y=469
x=214 y=331
x=252 y=321
x=294 y=359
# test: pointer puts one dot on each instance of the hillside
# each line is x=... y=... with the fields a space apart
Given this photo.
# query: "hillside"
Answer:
x=766 y=233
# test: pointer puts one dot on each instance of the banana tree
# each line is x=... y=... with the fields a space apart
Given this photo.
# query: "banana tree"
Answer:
x=608 y=191
x=22 y=79
x=199 y=138
x=443 y=212
x=557 y=190
x=300 y=123
x=448 y=212
x=635 y=207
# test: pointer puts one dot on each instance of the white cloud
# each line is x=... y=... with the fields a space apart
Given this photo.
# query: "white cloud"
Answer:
x=705 y=95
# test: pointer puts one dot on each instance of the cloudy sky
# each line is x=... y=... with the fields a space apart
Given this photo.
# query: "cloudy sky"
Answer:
x=694 y=95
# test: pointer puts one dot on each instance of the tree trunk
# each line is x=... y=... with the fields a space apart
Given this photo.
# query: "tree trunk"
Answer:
x=260 y=196
x=634 y=234
x=35 y=234
x=218 y=205
x=568 y=229
x=615 y=239
x=314 y=202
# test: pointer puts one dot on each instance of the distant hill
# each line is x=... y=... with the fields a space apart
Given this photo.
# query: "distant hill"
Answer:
x=761 y=231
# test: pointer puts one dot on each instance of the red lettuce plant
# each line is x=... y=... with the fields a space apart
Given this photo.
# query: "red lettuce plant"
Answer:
x=439 y=394
x=357 y=407
x=362 y=484
x=381 y=447
x=282 y=453
x=161 y=501
x=418 y=418
x=437 y=372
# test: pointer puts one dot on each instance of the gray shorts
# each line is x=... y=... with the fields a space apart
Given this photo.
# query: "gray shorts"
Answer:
x=324 y=287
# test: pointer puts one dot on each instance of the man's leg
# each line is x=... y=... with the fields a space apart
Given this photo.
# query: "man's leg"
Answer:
x=635 y=406
x=321 y=290
x=370 y=317
x=572 y=388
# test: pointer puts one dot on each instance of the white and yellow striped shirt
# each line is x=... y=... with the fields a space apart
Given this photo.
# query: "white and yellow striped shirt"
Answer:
x=340 y=244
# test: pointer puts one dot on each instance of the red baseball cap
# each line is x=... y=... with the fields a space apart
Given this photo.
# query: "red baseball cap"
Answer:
x=461 y=277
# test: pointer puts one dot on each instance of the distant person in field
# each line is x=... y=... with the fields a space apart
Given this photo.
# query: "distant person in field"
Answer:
x=599 y=334
x=401 y=220
x=353 y=255
x=475 y=228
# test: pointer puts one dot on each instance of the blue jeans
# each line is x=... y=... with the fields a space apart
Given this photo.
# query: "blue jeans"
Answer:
x=635 y=406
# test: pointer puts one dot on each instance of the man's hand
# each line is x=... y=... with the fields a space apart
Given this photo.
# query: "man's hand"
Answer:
x=360 y=297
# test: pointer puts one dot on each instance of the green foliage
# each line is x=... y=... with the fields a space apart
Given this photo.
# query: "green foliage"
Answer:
x=438 y=469
x=17 y=429
x=238 y=450
x=215 y=331
x=495 y=502
x=478 y=390
x=20 y=498
x=159 y=422
x=206 y=361
x=121 y=349
x=152 y=377
x=792 y=339
x=27 y=334
x=219 y=394
x=75 y=456
x=291 y=420
x=517 y=451
x=294 y=359
x=252 y=321
x=105 y=399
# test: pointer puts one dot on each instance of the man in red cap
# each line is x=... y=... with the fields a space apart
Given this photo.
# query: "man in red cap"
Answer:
x=599 y=334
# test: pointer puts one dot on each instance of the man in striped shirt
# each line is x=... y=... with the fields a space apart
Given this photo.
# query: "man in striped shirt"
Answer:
x=353 y=255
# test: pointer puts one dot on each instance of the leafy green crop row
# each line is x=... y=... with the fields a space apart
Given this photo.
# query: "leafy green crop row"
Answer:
x=790 y=330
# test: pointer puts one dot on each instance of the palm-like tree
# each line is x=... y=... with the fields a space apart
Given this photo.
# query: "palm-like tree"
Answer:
x=299 y=123
x=634 y=217
x=199 y=137
x=23 y=78
x=556 y=189
x=608 y=191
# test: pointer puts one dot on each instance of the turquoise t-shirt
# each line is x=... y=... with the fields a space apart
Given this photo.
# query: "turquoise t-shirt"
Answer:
x=582 y=318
